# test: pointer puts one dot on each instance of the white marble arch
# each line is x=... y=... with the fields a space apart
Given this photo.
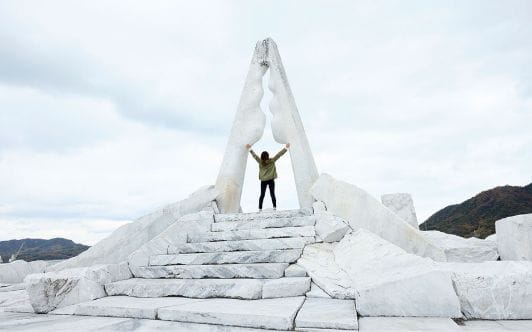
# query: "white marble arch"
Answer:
x=248 y=128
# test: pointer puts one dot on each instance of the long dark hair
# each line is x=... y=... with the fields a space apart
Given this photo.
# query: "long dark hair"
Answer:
x=264 y=156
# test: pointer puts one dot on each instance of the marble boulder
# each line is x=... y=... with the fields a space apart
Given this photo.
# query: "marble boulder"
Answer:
x=392 y=282
x=329 y=227
x=493 y=290
x=318 y=260
x=16 y=271
x=402 y=205
x=52 y=290
x=361 y=210
x=514 y=237
x=459 y=249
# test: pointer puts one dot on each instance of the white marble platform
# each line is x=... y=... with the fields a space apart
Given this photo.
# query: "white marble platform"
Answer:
x=51 y=323
x=263 y=223
x=262 y=215
x=250 y=234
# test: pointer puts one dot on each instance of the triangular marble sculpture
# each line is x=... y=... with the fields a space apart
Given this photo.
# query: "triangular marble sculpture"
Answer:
x=248 y=127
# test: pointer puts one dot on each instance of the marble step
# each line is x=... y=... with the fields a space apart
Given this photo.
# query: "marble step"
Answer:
x=321 y=313
x=250 y=234
x=222 y=271
x=262 y=215
x=275 y=314
x=247 y=289
x=263 y=223
x=232 y=257
x=242 y=245
x=129 y=307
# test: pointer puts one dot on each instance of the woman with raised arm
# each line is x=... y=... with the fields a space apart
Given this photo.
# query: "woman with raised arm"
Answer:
x=267 y=173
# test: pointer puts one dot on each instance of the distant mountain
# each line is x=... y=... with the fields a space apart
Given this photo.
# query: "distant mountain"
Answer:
x=37 y=249
x=476 y=216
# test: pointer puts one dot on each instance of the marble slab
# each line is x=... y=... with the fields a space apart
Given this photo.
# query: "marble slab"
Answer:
x=263 y=223
x=262 y=215
x=221 y=271
x=295 y=270
x=266 y=313
x=242 y=245
x=233 y=257
x=316 y=291
x=129 y=307
x=285 y=287
x=327 y=314
x=249 y=234
x=194 y=288
x=407 y=324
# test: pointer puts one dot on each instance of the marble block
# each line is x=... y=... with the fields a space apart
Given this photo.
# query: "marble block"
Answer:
x=264 y=223
x=392 y=282
x=16 y=271
x=221 y=271
x=242 y=245
x=318 y=206
x=329 y=227
x=49 y=293
x=276 y=314
x=232 y=257
x=52 y=290
x=128 y=307
x=493 y=290
x=265 y=214
x=403 y=206
x=318 y=259
x=514 y=237
x=324 y=313
x=17 y=301
x=294 y=270
x=285 y=287
x=361 y=210
x=316 y=291
x=251 y=234
x=194 y=288
x=459 y=249
x=408 y=324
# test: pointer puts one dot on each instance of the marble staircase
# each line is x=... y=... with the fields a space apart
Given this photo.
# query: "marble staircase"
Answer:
x=240 y=273
x=243 y=256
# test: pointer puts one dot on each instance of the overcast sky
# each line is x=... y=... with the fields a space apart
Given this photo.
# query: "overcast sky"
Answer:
x=111 y=109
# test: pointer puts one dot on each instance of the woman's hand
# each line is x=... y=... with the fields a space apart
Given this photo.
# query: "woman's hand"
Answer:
x=248 y=146
x=287 y=145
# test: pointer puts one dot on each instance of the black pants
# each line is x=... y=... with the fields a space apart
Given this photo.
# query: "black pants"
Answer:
x=271 y=184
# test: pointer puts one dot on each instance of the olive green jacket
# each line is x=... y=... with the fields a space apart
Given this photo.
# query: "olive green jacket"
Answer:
x=267 y=169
